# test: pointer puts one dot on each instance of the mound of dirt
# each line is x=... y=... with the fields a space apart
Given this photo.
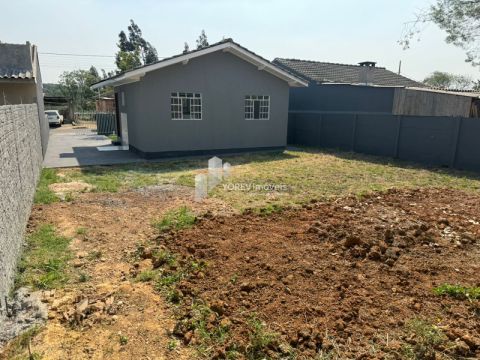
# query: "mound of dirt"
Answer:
x=346 y=277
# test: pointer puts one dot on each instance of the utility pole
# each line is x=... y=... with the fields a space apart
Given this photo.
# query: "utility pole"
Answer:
x=399 y=67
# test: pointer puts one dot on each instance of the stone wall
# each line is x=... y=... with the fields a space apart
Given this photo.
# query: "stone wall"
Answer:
x=20 y=166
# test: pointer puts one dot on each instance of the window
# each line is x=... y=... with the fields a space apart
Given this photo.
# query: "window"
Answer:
x=186 y=106
x=257 y=107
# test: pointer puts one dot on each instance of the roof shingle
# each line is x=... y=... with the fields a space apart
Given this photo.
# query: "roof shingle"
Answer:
x=322 y=72
x=15 y=61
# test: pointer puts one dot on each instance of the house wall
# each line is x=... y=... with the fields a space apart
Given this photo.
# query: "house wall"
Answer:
x=21 y=161
x=17 y=92
x=223 y=80
x=342 y=98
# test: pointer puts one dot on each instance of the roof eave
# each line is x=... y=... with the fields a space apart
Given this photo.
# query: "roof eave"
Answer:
x=137 y=74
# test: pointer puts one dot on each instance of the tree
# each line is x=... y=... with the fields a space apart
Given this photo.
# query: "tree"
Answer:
x=459 y=18
x=202 y=40
x=134 y=50
x=75 y=85
x=449 y=81
x=186 y=48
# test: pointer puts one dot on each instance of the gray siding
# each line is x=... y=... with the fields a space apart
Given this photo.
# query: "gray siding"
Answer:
x=441 y=141
x=21 y=159
x=223 y=80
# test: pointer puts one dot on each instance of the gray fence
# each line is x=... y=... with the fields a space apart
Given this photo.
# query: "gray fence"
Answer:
x=99 y=122
x=21 y=161
x=441 y=141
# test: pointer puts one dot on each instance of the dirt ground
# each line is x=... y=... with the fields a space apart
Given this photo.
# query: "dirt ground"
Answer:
x=343 y=278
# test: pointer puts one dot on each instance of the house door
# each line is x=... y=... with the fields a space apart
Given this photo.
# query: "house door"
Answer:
x=124 y=129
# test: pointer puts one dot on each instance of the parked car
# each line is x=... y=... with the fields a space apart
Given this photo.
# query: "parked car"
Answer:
x=54 y=117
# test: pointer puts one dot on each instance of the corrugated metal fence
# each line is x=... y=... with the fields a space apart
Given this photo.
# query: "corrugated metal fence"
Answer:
x=442 y=141
x=100 y=122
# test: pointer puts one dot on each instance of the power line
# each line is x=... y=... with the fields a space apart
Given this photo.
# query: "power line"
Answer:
x=82 y=55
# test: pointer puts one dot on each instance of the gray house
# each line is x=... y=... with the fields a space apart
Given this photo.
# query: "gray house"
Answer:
x=221 y=98
x=368 y=88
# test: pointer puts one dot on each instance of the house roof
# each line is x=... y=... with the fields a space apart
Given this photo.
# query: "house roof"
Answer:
x=324 y=72
x=16 y=61
x=227 y=45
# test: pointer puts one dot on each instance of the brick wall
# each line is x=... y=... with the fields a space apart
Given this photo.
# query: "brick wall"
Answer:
x=20 y=165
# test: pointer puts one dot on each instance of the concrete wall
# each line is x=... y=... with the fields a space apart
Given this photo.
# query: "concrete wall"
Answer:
x=17 y=92
x=442 y=141
x=44 y=125
x=223 y=81
x=21 y=161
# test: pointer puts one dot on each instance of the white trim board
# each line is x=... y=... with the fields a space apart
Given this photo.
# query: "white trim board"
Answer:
x=262 y=65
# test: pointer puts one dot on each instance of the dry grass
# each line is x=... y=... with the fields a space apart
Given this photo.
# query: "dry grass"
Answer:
x=307 y=174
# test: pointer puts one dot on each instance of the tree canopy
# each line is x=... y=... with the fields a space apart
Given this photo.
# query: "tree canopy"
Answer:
x=449 y=81
x=460 y=19
x=202 y=40
x=133 y=49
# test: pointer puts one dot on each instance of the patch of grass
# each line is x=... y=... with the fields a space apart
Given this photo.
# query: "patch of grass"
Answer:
x=164 y=257
x=43 y=194
x=269 y=209
x=146 y=276
x=458 y=291
x=426 y=337
x=176 y=219
x=308 y=173
x=44 y=262
x=260 y=338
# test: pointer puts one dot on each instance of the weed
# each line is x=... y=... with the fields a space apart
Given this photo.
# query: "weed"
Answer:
x=123 y=339
x=83 y=277
x=427 y=337
x=174 y=296
x=172 y=345
x=81 y=231
x=458 y=291
x=44 y=262
x=167 y=280
x=146 y=276
x=269 y=209
x=234 y=279
x=177 y=219
x=260 y=339
x=21 y=345
x=163 y=257
x=44 y=195
x=94 y=255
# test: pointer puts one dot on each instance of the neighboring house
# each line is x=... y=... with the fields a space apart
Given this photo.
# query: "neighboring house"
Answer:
x=21 y=80
x=365 y=88
x=221 y=98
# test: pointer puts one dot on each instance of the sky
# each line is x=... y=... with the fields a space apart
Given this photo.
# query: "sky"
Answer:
x=340 y=31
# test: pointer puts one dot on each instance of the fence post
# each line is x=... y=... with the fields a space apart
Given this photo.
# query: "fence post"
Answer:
x=354 y=131
x=397 y=137
x=456 y=136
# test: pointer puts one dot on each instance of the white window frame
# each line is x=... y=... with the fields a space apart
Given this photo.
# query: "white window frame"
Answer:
x=176 y=105
x=264 y=107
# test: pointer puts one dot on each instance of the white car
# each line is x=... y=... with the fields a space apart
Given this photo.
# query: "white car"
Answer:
x=54 y=117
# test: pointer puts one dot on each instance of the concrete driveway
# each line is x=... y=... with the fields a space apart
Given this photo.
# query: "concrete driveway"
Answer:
x=70 y=147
